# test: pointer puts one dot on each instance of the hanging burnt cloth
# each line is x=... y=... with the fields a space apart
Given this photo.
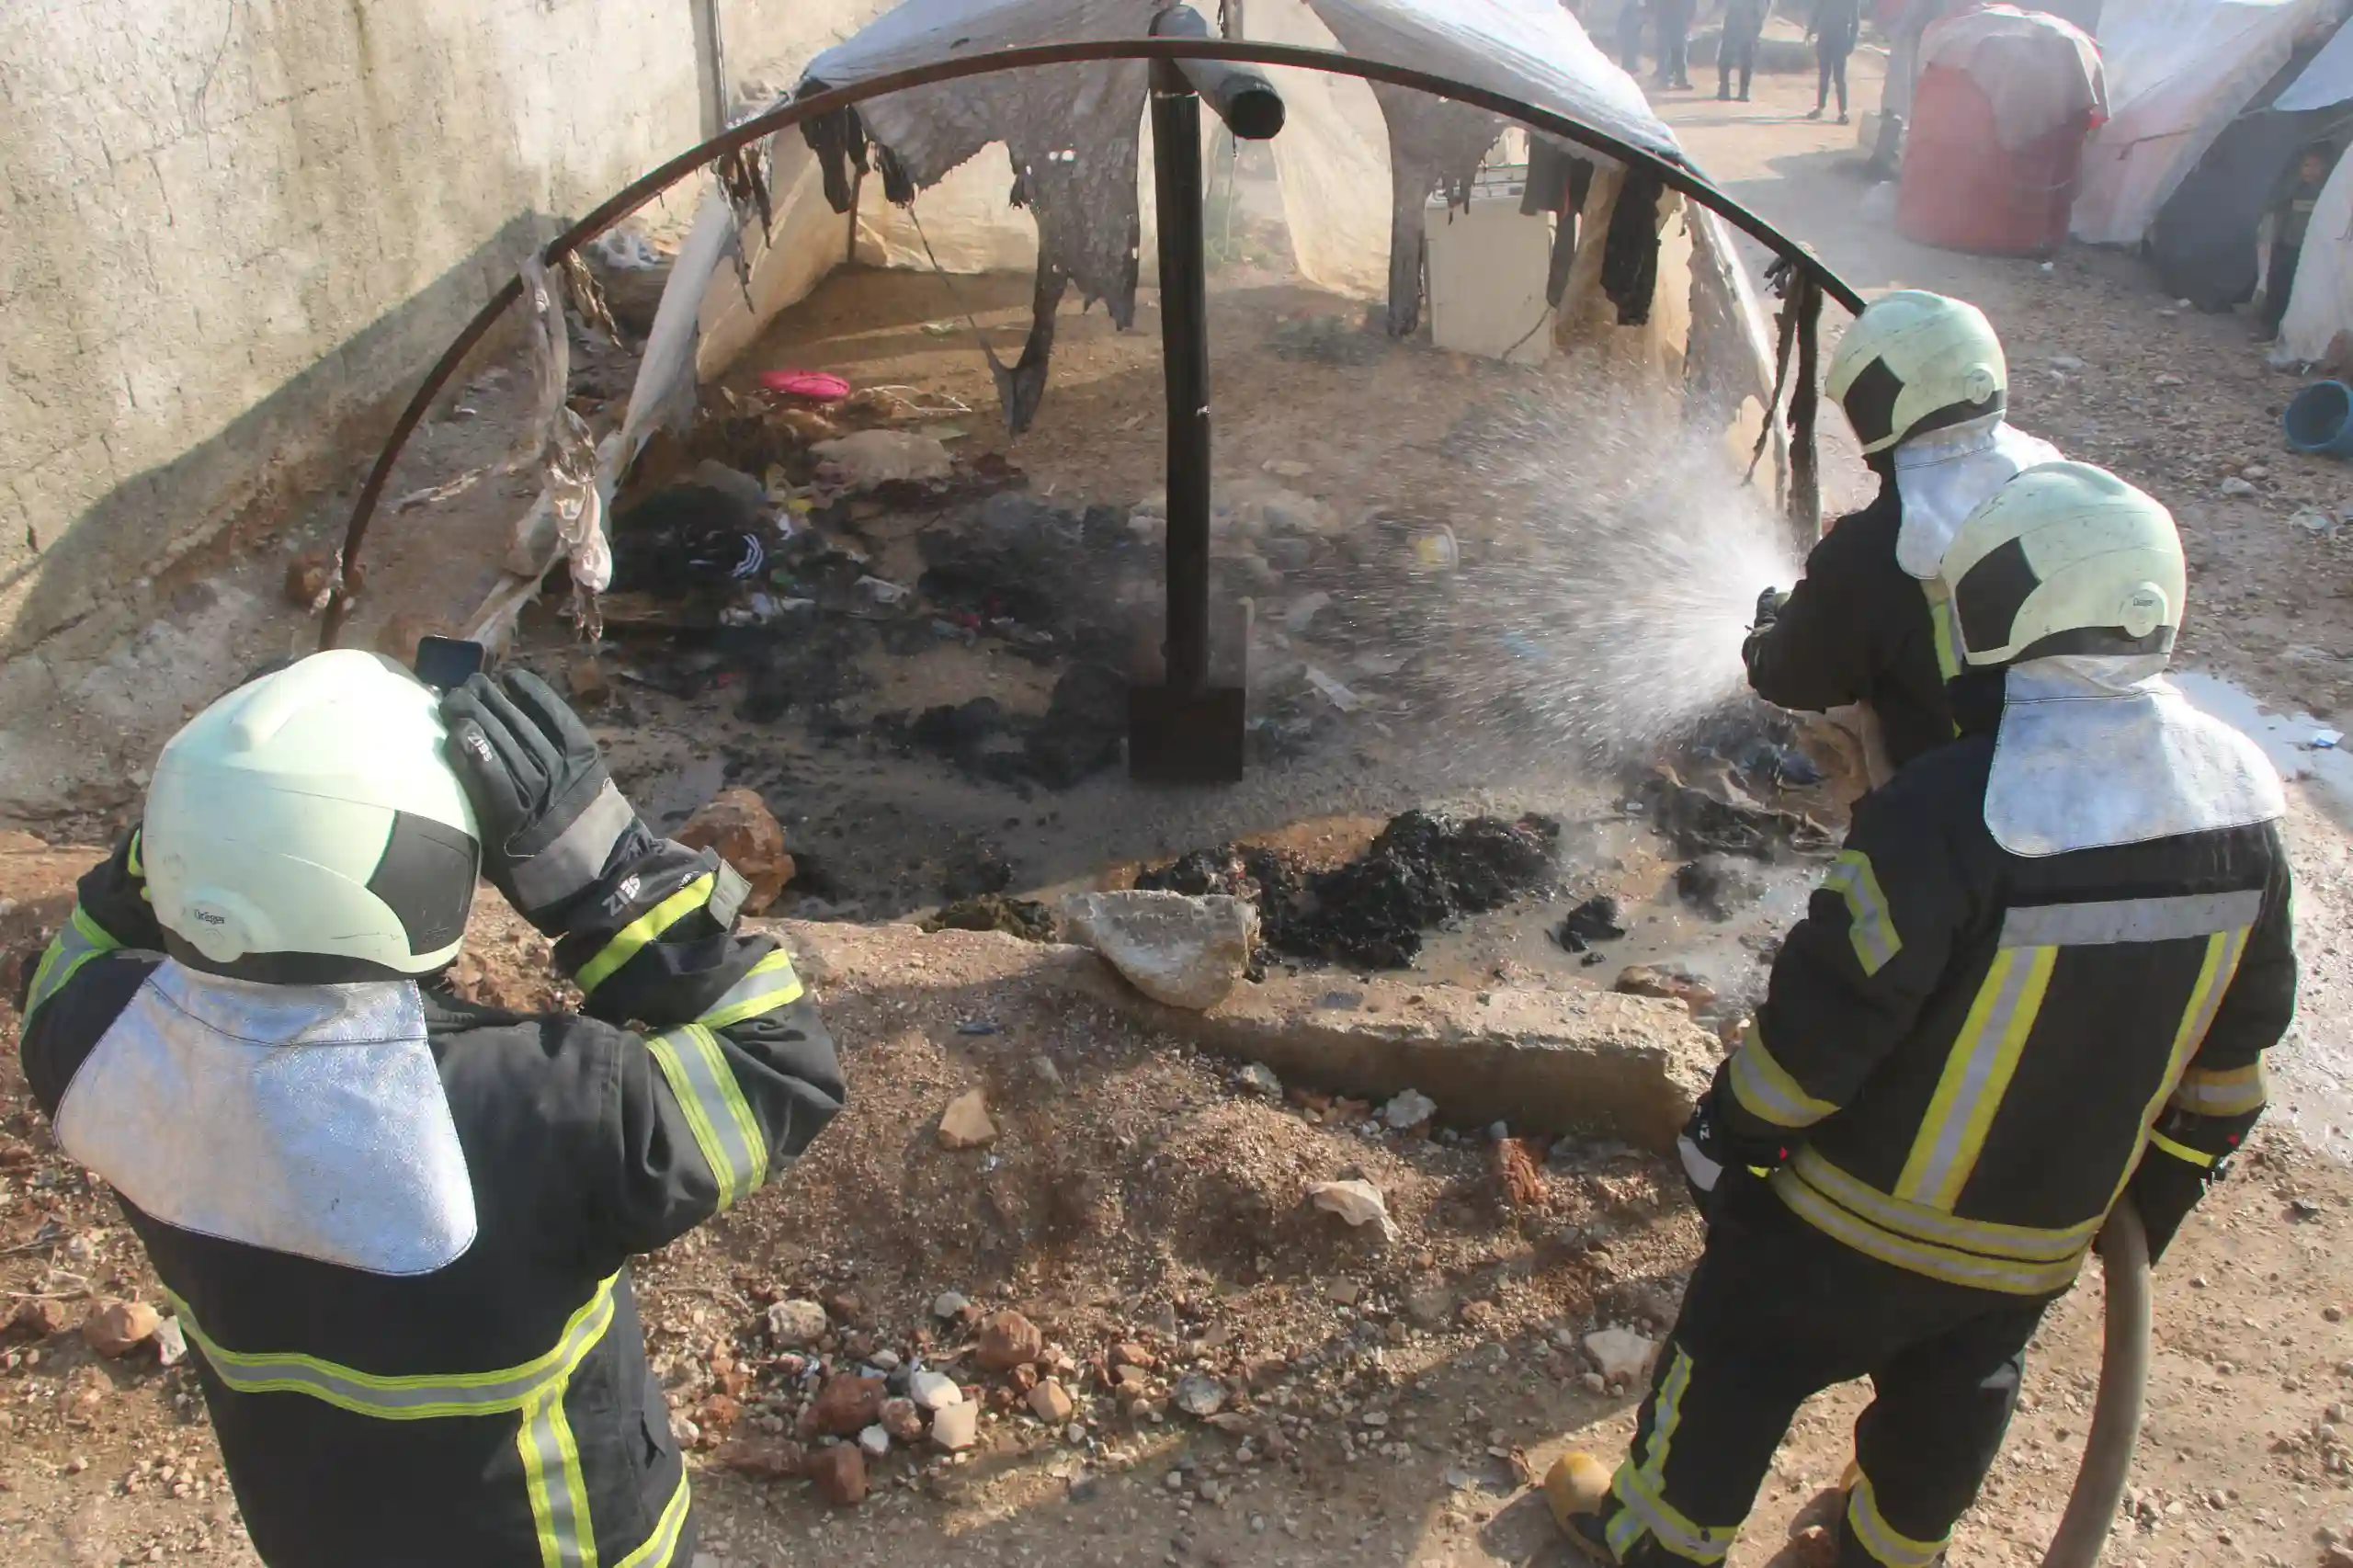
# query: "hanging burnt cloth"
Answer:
x=1629 y=251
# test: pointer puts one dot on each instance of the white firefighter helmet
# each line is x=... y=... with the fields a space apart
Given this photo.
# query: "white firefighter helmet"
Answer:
x=1915 y=362
x=305 y=828
x=2064 y=557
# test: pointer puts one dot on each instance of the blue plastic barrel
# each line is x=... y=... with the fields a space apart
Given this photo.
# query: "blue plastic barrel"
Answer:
x=2320 y=419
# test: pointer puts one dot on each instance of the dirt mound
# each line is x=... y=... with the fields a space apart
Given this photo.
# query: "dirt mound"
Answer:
x=1424 y=869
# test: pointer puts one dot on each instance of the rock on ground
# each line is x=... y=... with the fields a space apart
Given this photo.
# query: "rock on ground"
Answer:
x=795 y=1323
x=1409 y=1109
x=1051 y=1403
x=738 y=824
x=1008 y=1340
x=840 y=1474
x=965 y=1124
x=1199 y=1395
x=1620 y=1353
x=847 y=1405
x=1185 y=952
x=934 y=1391
x=116 y=1328
x=957 y=1426
x=1357 y=1201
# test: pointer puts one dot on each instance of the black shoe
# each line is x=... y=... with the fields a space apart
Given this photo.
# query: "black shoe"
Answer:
x=1724 y=95
x=1813 y=114
x=1744 y=95
x=1842 y=117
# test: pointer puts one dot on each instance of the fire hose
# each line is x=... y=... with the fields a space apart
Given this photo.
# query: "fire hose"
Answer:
x=2123 y=1388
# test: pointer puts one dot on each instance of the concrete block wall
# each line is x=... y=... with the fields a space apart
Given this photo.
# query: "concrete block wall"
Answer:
x=233 y=232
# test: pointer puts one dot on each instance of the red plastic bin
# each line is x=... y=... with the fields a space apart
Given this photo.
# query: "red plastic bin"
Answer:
x=1961 y=190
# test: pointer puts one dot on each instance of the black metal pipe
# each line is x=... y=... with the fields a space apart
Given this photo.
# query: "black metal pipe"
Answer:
x=643 y=190
x=1244 y=100
x=1185 y=355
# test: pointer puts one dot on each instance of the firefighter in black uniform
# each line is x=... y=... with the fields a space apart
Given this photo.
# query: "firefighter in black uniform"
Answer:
x=397 y=1226
x=2040 y=978
x=1923 y=382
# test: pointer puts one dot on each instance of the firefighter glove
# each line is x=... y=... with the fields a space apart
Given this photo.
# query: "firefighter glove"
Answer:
x=1715 y=1158
x=549 y=813
x=2166 y=1188
x=1768 y=606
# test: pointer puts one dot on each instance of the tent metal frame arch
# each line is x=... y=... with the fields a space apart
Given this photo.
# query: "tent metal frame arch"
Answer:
x=1674 y=175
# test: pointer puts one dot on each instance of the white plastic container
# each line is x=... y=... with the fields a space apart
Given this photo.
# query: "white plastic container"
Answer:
x=1487 y=266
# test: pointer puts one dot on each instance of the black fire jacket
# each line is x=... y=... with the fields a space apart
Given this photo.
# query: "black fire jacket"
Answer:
x=497 y=1412
x=1967 y=1053
x=1858 y=628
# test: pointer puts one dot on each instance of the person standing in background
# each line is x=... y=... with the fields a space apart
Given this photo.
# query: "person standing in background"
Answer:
x=1833 y=31
x=1736 y=50
x=1674 y=33
x=2291 y=215
x=1629 y=35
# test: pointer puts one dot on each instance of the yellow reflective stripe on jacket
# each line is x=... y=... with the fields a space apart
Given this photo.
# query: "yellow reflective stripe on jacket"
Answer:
x=78 y=941
x=2231 y=1093
x=2023 y=1243
x=420 y=1397
x=1940 y=617
x=1869 y=925
x=2214 y=971
x=1765 y=1089
x=716 y=1111
x=631 y=938
x=769 y=985
x=2183 y=1151
x=1977 y=1074
x=551 y=1475
x=1952 y=1265
x=663 y=1544
x=1882 y=1540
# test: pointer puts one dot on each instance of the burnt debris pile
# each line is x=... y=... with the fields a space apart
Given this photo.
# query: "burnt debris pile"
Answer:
x=1424 y=869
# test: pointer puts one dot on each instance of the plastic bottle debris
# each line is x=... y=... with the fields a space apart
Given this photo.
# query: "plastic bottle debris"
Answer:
x=2327 y=740
x=1338 y=696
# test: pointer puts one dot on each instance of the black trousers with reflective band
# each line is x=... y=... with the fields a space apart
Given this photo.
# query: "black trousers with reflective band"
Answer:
x=1778 y=1311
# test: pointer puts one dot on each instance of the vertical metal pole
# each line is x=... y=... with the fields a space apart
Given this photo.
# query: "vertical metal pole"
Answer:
x=1805 y=463
x=1185 y=355
x=711 y=66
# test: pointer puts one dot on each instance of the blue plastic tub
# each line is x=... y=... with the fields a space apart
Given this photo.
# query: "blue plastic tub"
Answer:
x=2320 y=419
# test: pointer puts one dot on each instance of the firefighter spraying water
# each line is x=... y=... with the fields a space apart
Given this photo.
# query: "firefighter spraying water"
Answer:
x=2039 y=981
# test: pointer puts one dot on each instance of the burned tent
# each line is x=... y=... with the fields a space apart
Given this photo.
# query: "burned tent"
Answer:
x=2205 y=239
x=1356 y=162
x=1408 y=109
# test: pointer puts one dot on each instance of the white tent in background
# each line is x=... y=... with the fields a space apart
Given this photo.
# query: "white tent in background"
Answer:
x=2318 y=328
x=2178 y=70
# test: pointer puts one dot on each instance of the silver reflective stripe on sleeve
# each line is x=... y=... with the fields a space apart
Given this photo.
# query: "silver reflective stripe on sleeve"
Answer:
x=1869 y=927
x=2130 y=920
x=577 y=857
x=716 y=1111
x=78 y=941
x=768 y=985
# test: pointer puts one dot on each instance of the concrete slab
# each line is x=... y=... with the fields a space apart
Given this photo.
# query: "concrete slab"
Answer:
x=1544 y=1062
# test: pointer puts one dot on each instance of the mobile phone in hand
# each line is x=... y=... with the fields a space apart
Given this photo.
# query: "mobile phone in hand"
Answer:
x=447 y=663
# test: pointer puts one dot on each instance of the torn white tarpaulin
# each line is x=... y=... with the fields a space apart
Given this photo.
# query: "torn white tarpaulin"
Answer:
x=566 y=522
x=1072 y=130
